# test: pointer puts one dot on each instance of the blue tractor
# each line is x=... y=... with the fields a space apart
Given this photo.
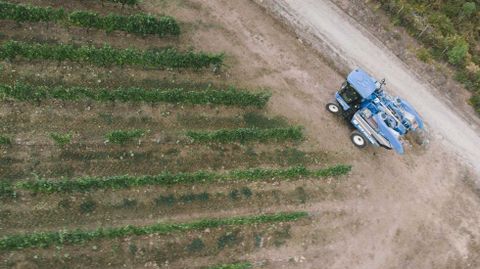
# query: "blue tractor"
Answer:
x=378 y=118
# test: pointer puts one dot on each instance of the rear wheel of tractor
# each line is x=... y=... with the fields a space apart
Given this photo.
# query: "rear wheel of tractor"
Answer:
x=333 y=108
x=358 y=139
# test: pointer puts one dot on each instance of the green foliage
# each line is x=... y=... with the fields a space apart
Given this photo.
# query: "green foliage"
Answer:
x=22 y=13
x=108 y=56
x=166 y=179
x=469 y=8
x=449 y=29
x=168 y=200
x=123 y=137
x=424 y=55
x=458 y=53
x=46 y=239
x=228 y=239
x=256 y=120
x=475 y=101
x=88 y=206
x=140 y=23
x=61 y=139
x=196 y=245
x=246 y=192
x=231 y=97
x=5 y=140
x=6 y=190
x=242 y=265
x=125 y=2
x=247 y=134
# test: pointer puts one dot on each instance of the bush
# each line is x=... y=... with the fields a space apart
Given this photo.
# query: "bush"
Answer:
x=108 y=56
x=61 y=139
x=458 y=53
x=140 y=23
x=247 y=134
x=424 y=55
x=46 y=239
x=122 y=137
x=166 y=179
x=231 y=97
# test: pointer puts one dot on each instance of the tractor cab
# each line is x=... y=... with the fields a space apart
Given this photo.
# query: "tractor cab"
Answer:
x=358 y=88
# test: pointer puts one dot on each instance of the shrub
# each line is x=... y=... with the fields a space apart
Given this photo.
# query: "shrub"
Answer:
x=458 y=53
x=469 y=8
x=166 y=179
x=61 y=139
x=247 y=134
x=108 y=56
x=46 y=239
x=424 y=55
x=122 y=137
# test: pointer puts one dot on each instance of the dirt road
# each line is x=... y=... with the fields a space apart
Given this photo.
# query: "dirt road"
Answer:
x=330 y=29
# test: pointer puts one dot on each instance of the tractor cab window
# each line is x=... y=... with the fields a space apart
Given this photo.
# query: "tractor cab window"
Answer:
x=349 y=94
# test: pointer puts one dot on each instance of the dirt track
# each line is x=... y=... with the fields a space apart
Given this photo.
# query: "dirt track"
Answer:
x=352 y=46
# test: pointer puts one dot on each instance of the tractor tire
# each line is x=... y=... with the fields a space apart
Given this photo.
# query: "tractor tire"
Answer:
x=358 y=139
x=333 y=108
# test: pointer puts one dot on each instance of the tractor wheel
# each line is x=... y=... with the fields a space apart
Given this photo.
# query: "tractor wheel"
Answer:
x=333 y=108
x=358 y=139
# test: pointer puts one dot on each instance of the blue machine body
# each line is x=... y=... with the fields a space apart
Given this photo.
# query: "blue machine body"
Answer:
x=380 y=118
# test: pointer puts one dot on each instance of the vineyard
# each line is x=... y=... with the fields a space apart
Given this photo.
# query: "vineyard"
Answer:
x=142 y=147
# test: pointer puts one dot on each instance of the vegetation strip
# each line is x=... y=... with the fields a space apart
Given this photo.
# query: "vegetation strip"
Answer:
x=124 y=2
x=230 y=97
x=165 y=179
x=449 y=29
x=46 y=239
x=108 y=56
x=241 y=265
x=247 y=134
x=140 y=23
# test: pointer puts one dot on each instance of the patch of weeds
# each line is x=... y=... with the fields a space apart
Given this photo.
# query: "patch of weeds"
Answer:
x=301 y=194
x=280 y=237
x=128 y=203
x=234 y=194
x=5 y=140
x=424 y=55
x=107 y=118
x=122 y=137
x=227 y=240
x=64 y=204
x=168 y=200
x=197 y=245
x=88 y=206
x=192 y=197
x=132 y=248
x=256 y=120
x=246 y=192
x=61 y=139
x=291 y=156
x=258 y=238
